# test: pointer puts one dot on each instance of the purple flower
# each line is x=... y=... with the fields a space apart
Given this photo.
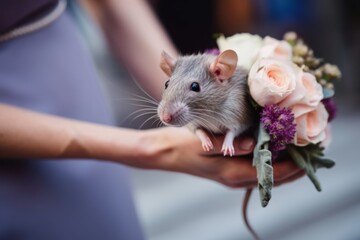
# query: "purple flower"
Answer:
x=330 y=107
x=279 y=124
x=213 y=51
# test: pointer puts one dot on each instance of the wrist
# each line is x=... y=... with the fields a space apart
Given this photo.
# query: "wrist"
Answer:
x=157 y=150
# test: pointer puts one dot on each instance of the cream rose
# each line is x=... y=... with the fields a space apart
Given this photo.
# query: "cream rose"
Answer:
x=245 y=45
x=310 y=127
x=271 y=80
x=306 y=96
x=273 y=48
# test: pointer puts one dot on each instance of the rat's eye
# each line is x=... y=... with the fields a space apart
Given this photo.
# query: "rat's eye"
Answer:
x=195 y=87
x=167 y=84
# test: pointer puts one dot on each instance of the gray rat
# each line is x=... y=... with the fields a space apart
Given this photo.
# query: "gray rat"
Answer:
x=209 y=92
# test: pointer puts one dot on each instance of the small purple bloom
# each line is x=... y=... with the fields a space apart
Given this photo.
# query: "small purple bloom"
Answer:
x=279 y=124
x=213 y=51
x=330 y=107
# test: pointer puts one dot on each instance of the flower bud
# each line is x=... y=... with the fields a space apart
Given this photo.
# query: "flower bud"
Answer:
x=332 y=70
x=300 y=49
x=298 y=60
x=318 y=73
x=316 y=62
x=305 y=68
x=330 y=85
x=323 y=82
x=290 y=36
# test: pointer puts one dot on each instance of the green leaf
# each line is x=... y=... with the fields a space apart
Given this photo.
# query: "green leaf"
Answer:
x=264 y=169
x=305 y=164
x=323 y=163
x=310 y=158
x=265 y=176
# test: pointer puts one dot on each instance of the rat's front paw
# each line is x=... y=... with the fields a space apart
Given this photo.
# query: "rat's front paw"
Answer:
x=228 y=150
x=207 y=144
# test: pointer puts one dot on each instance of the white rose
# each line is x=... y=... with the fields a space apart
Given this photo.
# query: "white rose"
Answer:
x=245 y=45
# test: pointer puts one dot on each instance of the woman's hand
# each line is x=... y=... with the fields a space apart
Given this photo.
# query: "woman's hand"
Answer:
x=171 y=149
x=177 y=149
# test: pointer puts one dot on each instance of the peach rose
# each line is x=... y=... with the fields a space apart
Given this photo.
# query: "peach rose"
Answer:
x=271 y=80
x=306 y=96
x=310 y=127
x=328 y=137
x=273 y=48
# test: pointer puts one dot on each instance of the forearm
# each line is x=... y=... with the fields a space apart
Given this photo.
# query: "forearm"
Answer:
x=29 y=135
x=137 y=39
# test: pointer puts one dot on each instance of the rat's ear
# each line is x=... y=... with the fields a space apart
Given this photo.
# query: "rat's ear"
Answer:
x=167 y=63
x=224 y=65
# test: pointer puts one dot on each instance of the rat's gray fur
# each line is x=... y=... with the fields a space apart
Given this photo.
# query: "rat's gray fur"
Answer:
x=218 y=106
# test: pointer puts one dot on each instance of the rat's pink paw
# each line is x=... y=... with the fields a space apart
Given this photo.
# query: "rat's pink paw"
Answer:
x=207 y=144
x=228 y=150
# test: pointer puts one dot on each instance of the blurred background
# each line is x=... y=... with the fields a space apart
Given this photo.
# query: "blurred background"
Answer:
x=173 y=206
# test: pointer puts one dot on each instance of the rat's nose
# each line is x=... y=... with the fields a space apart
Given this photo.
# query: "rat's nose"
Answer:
x=167 y=118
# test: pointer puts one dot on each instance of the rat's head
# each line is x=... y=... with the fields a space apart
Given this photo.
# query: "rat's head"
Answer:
x=196 y=83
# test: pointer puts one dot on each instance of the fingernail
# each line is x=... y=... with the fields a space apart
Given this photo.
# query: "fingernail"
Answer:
x=247 y=144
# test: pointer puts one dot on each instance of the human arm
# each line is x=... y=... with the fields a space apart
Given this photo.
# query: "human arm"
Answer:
x=135 y=37
x=29 y=135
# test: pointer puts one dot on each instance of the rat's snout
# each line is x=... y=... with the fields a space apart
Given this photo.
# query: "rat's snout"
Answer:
x=173 y=113
x=167 y=118
x=164 y=114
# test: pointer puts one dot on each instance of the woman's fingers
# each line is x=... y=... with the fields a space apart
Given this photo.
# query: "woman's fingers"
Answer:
x=239 y=173
x=235 y=172
x=286 y=171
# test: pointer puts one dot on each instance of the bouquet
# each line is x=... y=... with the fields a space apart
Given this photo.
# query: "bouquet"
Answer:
x=292 y=92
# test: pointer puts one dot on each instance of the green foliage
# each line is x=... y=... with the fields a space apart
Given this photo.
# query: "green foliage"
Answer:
x=310 y=158
x=264 y=169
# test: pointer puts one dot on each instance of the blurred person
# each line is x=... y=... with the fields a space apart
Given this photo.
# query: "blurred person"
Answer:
x=54 y=119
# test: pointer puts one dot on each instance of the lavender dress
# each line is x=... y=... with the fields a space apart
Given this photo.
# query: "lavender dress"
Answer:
x=50 y=71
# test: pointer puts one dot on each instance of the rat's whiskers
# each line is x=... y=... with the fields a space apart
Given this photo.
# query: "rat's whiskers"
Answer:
x=150 y=118
x=205 y=121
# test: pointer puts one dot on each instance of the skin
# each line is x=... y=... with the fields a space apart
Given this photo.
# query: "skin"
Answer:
x=45 y=136
x=136 y=39
x=171 y=149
